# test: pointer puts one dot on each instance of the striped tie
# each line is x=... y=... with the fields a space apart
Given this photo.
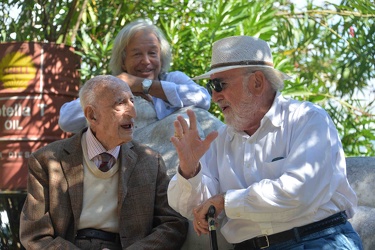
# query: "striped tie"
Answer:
x=106 y=162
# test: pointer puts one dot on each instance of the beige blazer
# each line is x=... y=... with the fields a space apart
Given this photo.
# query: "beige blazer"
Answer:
x=54 y=201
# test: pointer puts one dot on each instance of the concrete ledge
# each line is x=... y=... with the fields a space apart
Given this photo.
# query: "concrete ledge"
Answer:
x=361 y=176
x=364 y=223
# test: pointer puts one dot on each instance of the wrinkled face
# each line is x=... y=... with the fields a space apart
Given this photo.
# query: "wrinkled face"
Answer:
x=143 y=56
x=114 y=113
x=235 y=98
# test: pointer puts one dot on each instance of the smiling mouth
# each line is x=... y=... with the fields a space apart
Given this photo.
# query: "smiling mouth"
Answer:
x=127 y=126
x=146 y=71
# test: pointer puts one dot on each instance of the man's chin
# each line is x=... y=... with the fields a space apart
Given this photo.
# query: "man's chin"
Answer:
x=231 y=121
x=125 y=140
x=231 y=124
x=126 y=137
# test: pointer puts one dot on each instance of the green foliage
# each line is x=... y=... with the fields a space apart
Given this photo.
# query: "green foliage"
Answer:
x=329 y=63
x=11 y=203
x=332 y=51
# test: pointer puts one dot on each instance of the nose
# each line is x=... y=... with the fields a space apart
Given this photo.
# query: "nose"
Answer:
x=215 y=96
x=146 y=59
x=131 y=111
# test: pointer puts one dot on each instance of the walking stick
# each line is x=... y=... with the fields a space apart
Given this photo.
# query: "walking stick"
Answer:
x=212 y=227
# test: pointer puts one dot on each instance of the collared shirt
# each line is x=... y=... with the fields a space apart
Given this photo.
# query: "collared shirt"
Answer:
x=290 y=172
x=95 y=148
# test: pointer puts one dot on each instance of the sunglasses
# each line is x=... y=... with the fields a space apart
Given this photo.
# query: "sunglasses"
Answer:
x=214 y=84
x=217 y=84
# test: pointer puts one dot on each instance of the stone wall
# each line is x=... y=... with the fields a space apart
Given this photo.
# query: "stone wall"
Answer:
x=361 y=176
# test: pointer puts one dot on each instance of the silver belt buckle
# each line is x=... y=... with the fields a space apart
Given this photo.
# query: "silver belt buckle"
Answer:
x=266 y=240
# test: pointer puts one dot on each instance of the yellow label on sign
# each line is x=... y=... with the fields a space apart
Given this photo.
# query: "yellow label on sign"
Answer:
x=17 y=70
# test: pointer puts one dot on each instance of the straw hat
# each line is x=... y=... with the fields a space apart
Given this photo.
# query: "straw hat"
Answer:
x=243 y=52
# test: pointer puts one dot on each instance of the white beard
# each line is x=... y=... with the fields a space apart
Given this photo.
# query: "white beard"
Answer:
x=240 y=116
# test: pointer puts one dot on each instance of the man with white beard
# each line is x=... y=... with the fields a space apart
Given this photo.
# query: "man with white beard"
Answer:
x=276 y=173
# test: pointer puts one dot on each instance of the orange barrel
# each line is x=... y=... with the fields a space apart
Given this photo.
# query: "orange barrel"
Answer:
x=36 y=79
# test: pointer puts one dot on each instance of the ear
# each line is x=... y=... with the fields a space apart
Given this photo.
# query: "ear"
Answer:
x=90 y=113
x=258 y=82
x=123 y=64
x=123 y=68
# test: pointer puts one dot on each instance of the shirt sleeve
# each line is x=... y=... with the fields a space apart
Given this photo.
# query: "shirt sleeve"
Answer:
x=181 y=91
x=71 y=117
x=186 y=194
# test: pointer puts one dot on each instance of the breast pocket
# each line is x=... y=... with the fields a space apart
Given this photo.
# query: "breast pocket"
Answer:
x=274 y=168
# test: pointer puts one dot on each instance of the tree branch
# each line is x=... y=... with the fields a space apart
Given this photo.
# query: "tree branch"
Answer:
x=79 y=18
x=324 y=13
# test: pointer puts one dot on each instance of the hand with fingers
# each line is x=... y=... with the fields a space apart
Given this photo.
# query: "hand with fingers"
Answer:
x=135 y=88
x=189 y=146
x=200 y=213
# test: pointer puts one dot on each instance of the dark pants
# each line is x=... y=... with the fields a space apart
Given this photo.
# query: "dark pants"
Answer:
x=96 y=244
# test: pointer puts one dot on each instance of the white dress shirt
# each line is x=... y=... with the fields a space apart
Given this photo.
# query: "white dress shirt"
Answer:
x=290 y=172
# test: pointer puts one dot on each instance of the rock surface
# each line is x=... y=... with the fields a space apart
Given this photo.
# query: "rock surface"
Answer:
x=157 y=135
x=361 y=176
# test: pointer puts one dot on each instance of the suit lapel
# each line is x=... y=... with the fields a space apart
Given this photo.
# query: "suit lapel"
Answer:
x=73 y=169
x=128 y=159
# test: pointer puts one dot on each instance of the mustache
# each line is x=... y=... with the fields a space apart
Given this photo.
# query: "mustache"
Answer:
x=223 y=103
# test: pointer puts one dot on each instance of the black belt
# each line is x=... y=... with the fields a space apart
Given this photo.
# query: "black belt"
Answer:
x=265 y=241
x=89 y=233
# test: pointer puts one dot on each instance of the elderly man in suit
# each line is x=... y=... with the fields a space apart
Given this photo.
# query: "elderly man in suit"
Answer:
x=99 y=189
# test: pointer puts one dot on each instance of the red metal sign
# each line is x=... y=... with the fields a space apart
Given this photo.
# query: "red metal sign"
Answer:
x=36 y=79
